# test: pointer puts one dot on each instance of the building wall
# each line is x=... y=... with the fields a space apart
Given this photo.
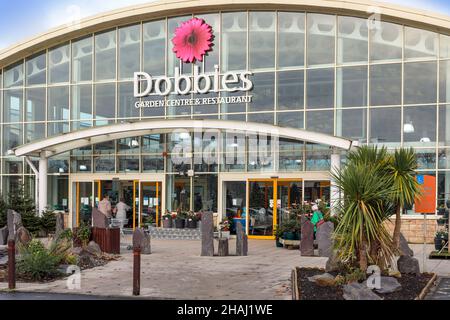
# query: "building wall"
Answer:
x=416 y=230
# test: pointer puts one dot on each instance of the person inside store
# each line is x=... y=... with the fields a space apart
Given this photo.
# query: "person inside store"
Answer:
x=104 y=207
x=121 y=209
x=317 y=218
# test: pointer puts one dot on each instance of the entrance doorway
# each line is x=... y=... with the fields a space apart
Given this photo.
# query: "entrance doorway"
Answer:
x=143 y=199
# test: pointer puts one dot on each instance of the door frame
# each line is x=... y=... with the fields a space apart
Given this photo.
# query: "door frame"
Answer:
x=93 y=178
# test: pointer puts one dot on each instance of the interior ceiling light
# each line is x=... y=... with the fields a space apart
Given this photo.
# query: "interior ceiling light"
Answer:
x=408 y=128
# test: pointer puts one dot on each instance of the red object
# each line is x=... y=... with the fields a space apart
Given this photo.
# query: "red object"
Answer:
x=427 y=202
x=107 y=239
x=11 y=264
x=192 y=40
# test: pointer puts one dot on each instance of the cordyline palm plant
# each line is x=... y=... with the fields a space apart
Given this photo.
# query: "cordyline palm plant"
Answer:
x=405 y=188
x=361 y=235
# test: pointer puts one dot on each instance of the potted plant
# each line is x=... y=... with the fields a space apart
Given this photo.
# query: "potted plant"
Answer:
x=167 y=220
x=180 y=220
x=290 y=229
x=191 y=221
x=441 y=221
x=224 y=228
x=440 y=239
x=278 y=235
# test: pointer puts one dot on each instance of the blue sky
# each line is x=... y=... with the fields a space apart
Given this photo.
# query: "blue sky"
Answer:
x=22 y=19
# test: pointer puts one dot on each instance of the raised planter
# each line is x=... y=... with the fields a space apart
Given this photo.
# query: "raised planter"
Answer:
x=167 y=223
x=191 y=224
x=180 y=223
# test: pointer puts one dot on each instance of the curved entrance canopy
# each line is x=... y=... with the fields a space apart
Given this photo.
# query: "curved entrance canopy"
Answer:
x=65 y=142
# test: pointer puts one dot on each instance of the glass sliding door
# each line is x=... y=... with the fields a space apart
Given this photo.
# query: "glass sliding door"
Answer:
x=262 y=211
x=83 y=203
x=289 y=195
x=151 y=203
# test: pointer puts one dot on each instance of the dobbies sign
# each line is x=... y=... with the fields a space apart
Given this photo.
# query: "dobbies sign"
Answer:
x=193 y=39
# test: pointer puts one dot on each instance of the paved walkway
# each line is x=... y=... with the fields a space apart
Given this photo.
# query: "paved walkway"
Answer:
x=441 y=291
x=175 y=270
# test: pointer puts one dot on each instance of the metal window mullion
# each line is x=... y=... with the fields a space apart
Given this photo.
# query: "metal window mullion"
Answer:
x=141 y=61
x=275 y=105
x=369 y=49
x=47 y=75
x=335 y=74
x=438 y=68
x=402 y=88
x=247 y=56
x=305 y=73
x=166 y=62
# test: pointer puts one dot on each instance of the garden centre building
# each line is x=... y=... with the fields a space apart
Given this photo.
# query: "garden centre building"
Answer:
x=246 y=124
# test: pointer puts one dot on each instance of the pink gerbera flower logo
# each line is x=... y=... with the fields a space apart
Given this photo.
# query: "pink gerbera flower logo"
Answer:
x=192 y=40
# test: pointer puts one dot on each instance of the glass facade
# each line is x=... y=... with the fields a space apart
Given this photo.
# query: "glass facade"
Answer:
x=388 y=85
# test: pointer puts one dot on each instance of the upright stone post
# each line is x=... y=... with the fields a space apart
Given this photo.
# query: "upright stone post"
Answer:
x=207 y=234
x=241 y=241
x=11 y=265
x=323 y=235
x=307 y=239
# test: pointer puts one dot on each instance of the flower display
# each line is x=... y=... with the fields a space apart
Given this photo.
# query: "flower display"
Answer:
x=192 y=40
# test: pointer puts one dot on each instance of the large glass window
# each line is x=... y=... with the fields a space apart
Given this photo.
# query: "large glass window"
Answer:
x=385 y=125
x=82 y=60
x=178 y=193
x=320 y=88
x=291 y=39
x=154 y=47
x=58 y=103
x=35 y=104
x=321 y=39
x=12 y=105
x=34 y=131
x=320 y=121
x=420 y=43
x=444 y=126
x=105 y=103
x=386 y=42
x=352 y=124
x=172 y=60
x=291 y=88
x=211 y=58
x=234 y=200
x=13 y=76
x=129 y=51
x=291 y=119
x=445 y=46
x=12 y=137
x=126 y=101
x=205 y=193
x=351 y=87
x=352 y=40
x=419 y=125
x=385 y=84
x=420 y=82
x=262 y=40
x=263 y=92
x=318 y=158
x=59 y=64
x=105 y=55
x=444 y=81
x=81 y=102
x=37 y=69
x=234 y=41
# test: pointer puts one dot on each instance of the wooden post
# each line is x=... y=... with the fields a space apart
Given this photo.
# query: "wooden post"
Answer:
x=11 y=265
x=136 y=271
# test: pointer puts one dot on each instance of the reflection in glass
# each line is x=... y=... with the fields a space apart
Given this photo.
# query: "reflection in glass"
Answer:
x=420 y=82
x=290 y=90
x=444 y=125
x=234 y=41
x=205 y=193
x=36 y=69
x=211 y=58
x=318 y=158
x=12 y=137
x=129 y=51
x=260 y=212
x=291 y=39
x=385 y=125
x=34 y=131
x=261 y=117
x=321 y=38
x=154 y=47
x=58 y=103
x=105 y=102
x=426 y=158
x=82 y=102
x=12 y=105
x=55 y=128
x=234 y=198
x=320 y=121
x=178 y=193
x=13 y=76
x=419 y=124
x=35 y=104
x=82 y=60
x=263 y=92
x=351 y=86
x=444 y=81
x=126 y=101
x=445 y=46
x=59 y=64
x=385 y=84
x=352 y=40
x=172 y=60
x=320 y=88
x=420 y=43
x=291 y=119
x=262 y=39
x=104 y=164
x=128 y=164
x=386 y=42
x=352 y=124
x=105 y=55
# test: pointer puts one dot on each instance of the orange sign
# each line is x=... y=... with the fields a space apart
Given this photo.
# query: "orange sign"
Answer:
x=427 y=202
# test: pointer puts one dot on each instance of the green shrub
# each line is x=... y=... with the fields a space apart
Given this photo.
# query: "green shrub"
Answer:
x=37 y=262
x=48 y=222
